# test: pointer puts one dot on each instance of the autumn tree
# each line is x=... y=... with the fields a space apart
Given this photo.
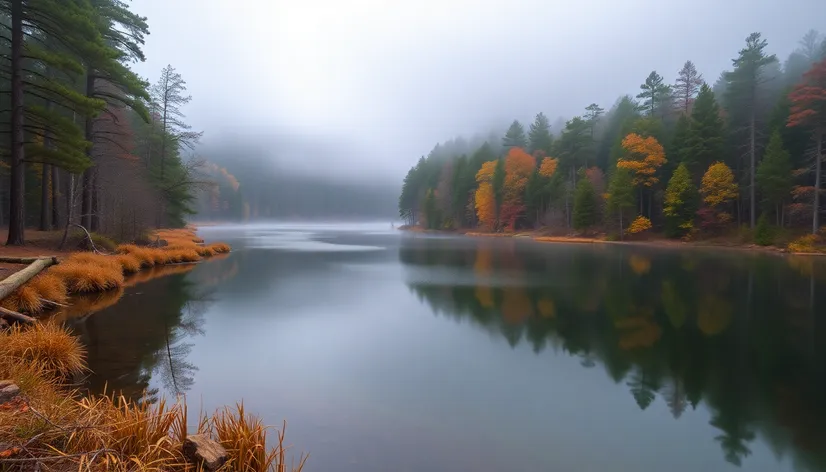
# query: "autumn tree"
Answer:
x=687 y=86
x=718 y=185
x=485 y=199
x=519 y=165
x=539 y=136
x=621 y=194
x=654 y=92
x=643 y=157
x=515 y=136
x=809 y=110
x=741 y=97
x=681 y=202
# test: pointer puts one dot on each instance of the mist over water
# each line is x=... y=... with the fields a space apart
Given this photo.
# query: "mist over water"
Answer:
x=387 y=350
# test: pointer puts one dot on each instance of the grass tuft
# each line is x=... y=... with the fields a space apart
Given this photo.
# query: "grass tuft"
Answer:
x=220 y=248
x=46 y=344
x=129 y=263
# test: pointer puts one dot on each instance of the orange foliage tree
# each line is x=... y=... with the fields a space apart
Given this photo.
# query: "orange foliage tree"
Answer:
x=519 y=165
x=548 y=167
x=485 y=199
x=644 y=157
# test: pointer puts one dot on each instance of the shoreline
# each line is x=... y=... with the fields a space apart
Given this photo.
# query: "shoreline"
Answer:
x=659 y=242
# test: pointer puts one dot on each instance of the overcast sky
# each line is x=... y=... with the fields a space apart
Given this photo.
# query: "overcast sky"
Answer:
x=340 y=84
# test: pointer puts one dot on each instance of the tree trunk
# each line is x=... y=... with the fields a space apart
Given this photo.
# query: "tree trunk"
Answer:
x=620 y=214
x=753 y=159
x=45 y=200
x=95 y=221
x=818 y=164
x=17 y=167
x=88 y=175
x=55 y=197
x=70 y=204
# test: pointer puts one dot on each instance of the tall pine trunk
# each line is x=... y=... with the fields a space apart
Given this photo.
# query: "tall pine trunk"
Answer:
x=95 y=220
x=88 y=175
x=818 y=165
x=17 y=167
x=55 y=197
x=753 y=159
x=45 y=200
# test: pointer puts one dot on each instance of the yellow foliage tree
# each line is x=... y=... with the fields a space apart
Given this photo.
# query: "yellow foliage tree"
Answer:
x=519 y=165
x=548 y=167
x=485 y=199
x=644 y=156
x=718 y=185
x=639 y=225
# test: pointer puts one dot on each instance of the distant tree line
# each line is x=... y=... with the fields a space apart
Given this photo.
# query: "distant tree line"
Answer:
x=690 y=158
x=88 y=141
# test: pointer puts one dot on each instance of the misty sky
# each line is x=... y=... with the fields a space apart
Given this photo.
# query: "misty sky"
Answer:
x=336 y=85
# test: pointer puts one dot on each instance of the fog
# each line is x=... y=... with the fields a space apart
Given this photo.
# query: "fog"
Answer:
x=361 y=88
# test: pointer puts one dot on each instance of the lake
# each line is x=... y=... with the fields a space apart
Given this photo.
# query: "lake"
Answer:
x=393 y=351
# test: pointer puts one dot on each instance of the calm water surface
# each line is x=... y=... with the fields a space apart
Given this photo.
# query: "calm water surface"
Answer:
x=399 y=352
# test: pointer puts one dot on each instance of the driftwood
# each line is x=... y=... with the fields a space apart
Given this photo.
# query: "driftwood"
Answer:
x=14 y=281
x=13 y=315
x=19 y=260
x=91 y=242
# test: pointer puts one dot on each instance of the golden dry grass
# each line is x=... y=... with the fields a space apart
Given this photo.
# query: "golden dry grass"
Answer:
x=47 y=344
x=87 y=272
x=56 y=426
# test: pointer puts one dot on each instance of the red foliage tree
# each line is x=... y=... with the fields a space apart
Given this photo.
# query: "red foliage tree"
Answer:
x=808 y=109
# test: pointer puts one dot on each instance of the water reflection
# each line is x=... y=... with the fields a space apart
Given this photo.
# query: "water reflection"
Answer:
x=737 y=332
x=146 y=330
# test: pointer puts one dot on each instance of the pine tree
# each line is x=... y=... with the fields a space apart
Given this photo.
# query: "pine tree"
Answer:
x=681 y=202
x=741 y=101
x=108 y=78
x=687 y=86
x=539 y=136
x=654 y=92
x=681 y=142
x=35 y=25
x=585 y=205
x=592 y=116
x=706 y=141
x=515 y=136
x=621 y=194
x=774 y=176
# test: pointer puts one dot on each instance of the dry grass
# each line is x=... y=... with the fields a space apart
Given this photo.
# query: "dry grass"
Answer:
x=63 y=430
x=87 y=272
x=46 y=344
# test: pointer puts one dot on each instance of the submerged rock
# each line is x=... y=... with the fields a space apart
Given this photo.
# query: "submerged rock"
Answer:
x=200 y=449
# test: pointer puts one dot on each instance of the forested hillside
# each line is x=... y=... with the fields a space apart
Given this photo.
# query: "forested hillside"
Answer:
x=88 y=141
x=692 y=157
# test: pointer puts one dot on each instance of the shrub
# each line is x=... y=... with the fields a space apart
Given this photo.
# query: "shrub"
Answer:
x=639 y=225
x=763 y=233
x=805 y=243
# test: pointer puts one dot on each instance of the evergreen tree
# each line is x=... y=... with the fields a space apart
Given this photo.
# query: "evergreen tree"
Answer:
x=774 y=176
x=621 y=195
x=687 y=86
x=681 y=143
x=515 y=136
x=654 y=92
x=585 y=205
x=741 y=101
x=706 y=137
x=617 y=124
x=681 y=202
x=539 y=136
x=498 y=183
x=592 y=116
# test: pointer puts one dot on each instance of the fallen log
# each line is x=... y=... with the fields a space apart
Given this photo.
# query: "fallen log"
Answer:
x=14 y=281
x=13 y=315
x=19 y=260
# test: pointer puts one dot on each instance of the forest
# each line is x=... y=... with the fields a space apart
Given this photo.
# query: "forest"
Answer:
x=88 y=141
x=696 y=158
